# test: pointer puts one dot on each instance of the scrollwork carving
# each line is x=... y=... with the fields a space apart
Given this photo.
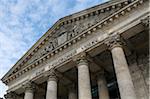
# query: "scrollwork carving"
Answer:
x=29 y=86
x=52 y=43
x=49 y=48
x=81 y=59
x=52 y=75
x=114 y=40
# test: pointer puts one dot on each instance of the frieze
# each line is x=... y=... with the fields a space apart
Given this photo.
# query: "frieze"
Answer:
x=39 y=72
x=90 y=44
x=54 y=63
x=62 y=59
x=69 y=55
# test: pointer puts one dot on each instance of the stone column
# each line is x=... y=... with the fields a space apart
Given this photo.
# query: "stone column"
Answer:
x=29 y=91
x=124 y=79
x=72 y=92
x=84 y=86
x=51 y=85
x=102 y=86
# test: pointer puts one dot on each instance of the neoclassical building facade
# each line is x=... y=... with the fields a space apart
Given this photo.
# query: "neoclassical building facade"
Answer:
x=98 y=53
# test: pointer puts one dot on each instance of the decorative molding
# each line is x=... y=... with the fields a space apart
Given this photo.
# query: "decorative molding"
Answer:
x=114 y=40
x=29 y=86
x=77 y=19
x=81 y=59
x=145 y=21
x=52 y=75
x=84 y=33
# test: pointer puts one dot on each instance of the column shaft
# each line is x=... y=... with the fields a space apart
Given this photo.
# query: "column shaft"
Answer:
x=72 y=92
x=51 y=90
x=123 y=75
x=28 y=94
x=72 y=95
x=52 y=85
x=84 y=85
x=102 y=87
x=29 y=90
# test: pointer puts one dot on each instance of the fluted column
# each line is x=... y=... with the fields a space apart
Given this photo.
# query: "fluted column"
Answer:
x=102 y=86
x=72 y=92
x=52 y=85
x=124 y=79
x=29 y=91
x=84 y=86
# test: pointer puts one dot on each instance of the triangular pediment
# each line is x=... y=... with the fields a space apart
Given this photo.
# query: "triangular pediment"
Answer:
x=66 y=29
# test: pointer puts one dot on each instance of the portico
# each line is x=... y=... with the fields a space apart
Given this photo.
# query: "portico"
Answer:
x=94 y=63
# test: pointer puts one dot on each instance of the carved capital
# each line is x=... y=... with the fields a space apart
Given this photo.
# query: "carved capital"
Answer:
x=10 y=95
x=52 y=75
x=29 y=87
x=114 y=40
x=81 y=59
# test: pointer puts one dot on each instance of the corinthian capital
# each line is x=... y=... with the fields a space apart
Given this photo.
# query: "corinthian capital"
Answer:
x=114 y=40
x=52 y=75
x=29 y=86
x=81 y=59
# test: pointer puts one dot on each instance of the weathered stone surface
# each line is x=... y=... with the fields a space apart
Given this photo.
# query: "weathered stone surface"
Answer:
x=102 y=86
x=121 y=68
x=69 y=31
x=51 y=92
x=72 y=93
x=139 y=72
x=93 y=44
x=84 y=85
x=29 y=90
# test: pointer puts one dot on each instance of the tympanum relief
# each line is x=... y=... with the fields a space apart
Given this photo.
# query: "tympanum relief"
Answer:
x=69 y=31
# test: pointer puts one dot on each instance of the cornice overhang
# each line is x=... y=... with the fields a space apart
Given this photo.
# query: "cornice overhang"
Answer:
x=67 y=20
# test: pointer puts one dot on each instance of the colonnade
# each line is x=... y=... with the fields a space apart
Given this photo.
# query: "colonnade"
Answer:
x=124 y=80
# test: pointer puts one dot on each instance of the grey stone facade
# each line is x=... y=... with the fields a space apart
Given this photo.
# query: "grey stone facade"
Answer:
x=101 y=52
x=139 y=69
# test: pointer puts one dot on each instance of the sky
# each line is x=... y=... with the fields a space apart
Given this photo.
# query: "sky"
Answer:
x=23 y=22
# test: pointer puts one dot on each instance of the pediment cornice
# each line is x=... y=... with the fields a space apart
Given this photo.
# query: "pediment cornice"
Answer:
x=20 y=67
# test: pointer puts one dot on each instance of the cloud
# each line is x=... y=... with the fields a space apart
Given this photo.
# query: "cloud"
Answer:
x=23 y=22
